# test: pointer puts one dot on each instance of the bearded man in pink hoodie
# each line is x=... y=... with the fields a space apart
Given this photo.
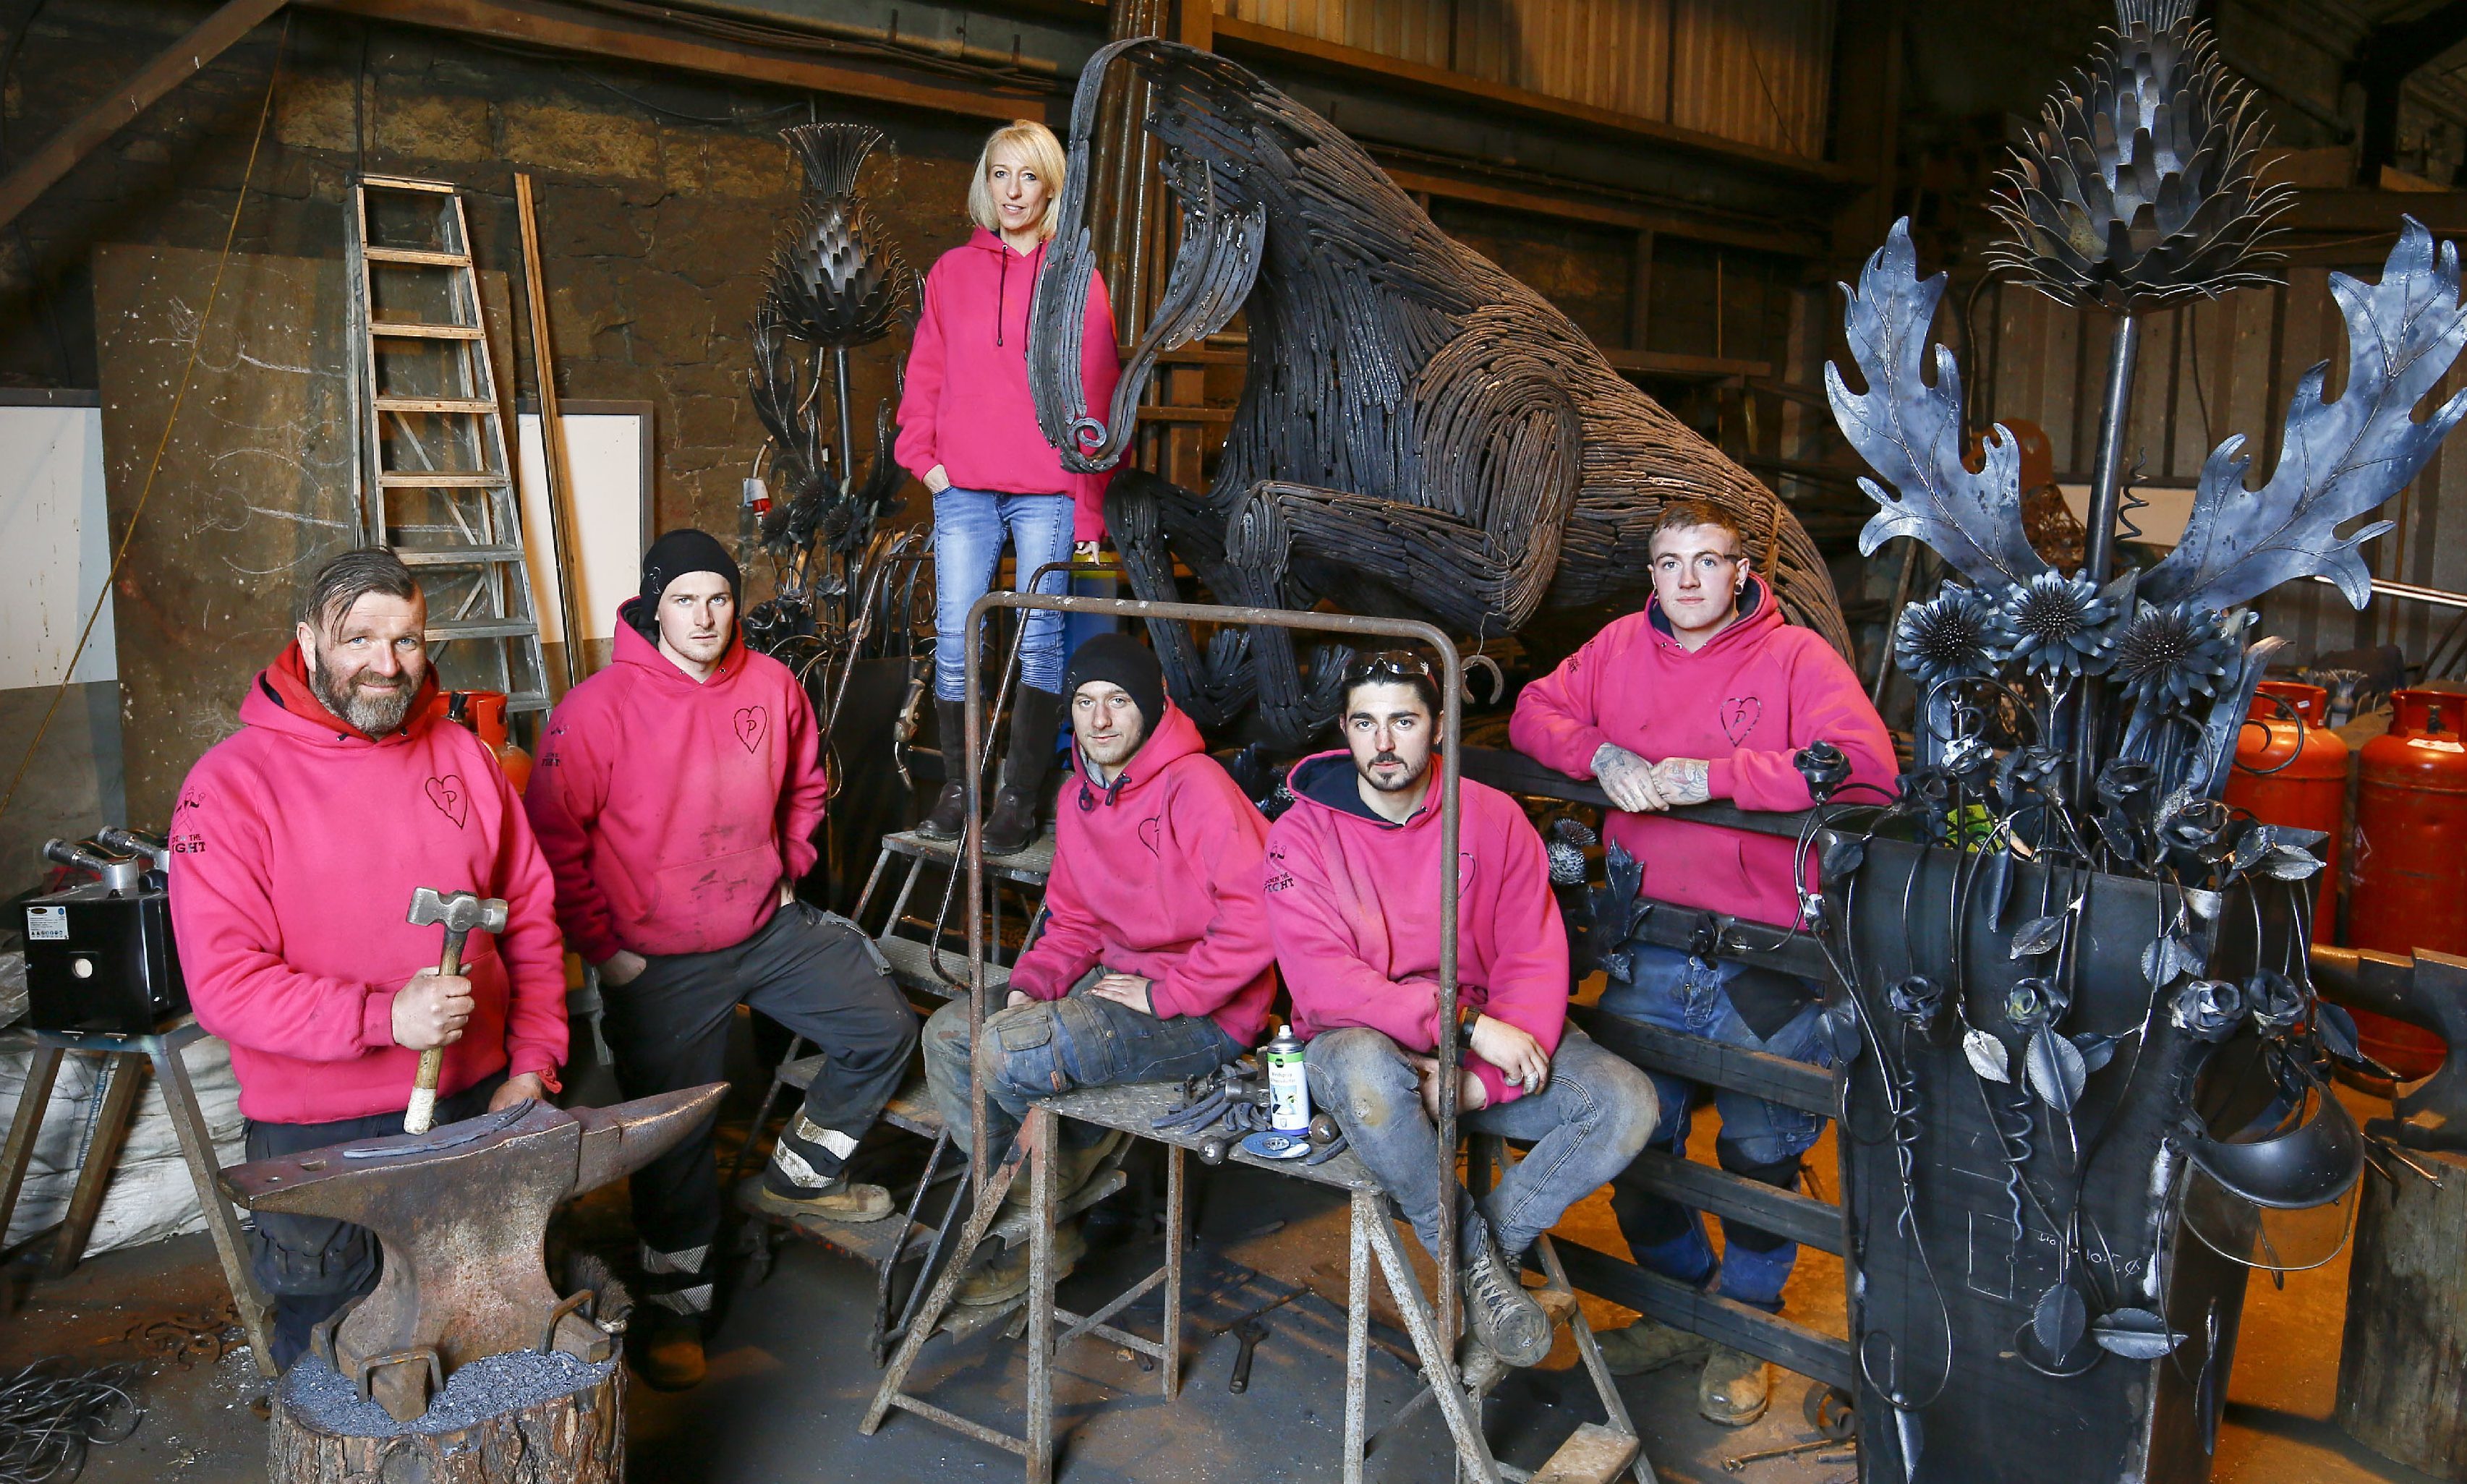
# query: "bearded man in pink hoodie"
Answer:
x=676 y=800
x=1708 y=694
x=300 y=839
x=1353 y=902
x=1154 y=963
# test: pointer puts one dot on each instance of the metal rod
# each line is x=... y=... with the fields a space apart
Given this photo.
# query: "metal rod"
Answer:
x=847 y=440
x=2409 y=592
x=560 y=478
x=2098 y=549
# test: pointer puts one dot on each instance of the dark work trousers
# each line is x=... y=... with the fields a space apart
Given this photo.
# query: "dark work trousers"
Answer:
x=311 y=1265
x=811 y=971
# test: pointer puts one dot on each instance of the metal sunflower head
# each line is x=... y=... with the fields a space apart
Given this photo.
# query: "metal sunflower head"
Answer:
x=1950 y=637
x=2141 y=186
x=2056 y=625
x=2163 y=656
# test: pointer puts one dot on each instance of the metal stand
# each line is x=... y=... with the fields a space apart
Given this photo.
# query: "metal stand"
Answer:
x=124 y=1059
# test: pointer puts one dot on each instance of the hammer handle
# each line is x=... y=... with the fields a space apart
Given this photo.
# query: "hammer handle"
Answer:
x=422 y=1114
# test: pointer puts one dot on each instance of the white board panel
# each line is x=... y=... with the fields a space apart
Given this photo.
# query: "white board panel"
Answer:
x=605 y=451
x=2162 y=522
x=54 y=546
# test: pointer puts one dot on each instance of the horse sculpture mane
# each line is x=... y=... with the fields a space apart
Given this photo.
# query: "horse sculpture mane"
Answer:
x=1418 y=433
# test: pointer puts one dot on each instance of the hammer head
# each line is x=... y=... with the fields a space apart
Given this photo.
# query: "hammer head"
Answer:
x=461 y=911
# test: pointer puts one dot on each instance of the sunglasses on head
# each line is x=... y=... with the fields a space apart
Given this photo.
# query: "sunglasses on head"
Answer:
x=1390 y=664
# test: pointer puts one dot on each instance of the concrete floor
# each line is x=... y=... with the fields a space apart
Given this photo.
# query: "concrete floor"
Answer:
x=790 y=1378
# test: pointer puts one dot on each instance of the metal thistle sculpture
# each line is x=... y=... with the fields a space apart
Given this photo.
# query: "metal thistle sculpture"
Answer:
x=837 y=282
x=1417 y=433
x=2051 y=935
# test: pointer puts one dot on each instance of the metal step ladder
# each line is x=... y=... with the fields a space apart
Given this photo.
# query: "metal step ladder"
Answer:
x=436 y=483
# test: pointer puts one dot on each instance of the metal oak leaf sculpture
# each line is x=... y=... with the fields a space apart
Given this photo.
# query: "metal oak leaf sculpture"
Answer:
x=1911 y=431
x=2337 y=461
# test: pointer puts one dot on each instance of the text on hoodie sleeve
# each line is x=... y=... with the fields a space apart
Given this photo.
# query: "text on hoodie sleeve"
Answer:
x=1555 y=722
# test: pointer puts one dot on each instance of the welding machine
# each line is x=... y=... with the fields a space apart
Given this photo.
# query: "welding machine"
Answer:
x=99 y=956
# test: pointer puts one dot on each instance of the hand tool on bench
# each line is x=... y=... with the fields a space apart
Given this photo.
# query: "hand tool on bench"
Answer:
x=461 y=911
x=461 y=1213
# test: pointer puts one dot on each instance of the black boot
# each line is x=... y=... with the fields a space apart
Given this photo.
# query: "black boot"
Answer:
x=1017 y=817
x=948 y=819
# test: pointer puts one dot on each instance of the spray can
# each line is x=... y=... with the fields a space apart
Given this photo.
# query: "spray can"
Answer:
x=1289 y=1108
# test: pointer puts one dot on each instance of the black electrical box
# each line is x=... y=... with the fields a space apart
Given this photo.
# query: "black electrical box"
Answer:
x=100 y=961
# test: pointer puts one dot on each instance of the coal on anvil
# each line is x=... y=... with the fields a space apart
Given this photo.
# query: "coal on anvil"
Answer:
x=461 y=1212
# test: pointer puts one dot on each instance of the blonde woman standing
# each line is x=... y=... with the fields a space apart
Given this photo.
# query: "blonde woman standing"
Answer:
x=968 y=429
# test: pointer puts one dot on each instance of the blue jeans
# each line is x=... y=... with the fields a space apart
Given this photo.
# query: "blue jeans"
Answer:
x=1759 y=1139
x=1060 y=1045
x=969 y=529
x=1585 y=1125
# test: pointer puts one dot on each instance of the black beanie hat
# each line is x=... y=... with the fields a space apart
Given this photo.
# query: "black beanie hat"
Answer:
x=1121 y=660
x=683 y=550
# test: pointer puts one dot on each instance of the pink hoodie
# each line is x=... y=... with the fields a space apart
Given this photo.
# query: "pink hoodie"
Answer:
x=1746 y=702
x=670 y=809
x=1159 y=876
x=1354 y=904
x=299 y=843
x=965 y=405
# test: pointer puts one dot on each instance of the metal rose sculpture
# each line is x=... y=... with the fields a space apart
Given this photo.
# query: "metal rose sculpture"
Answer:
x=2077 y=975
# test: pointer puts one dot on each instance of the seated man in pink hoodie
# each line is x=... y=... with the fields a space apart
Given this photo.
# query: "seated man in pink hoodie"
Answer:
x=1353 y=902
x=300 y=839
x=1708 y=694
x=676 y=798
x=1154 y=964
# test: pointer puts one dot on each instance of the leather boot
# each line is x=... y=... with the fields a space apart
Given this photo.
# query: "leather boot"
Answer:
x=1018 y=813
x=948 y=819
x=1504 y=1316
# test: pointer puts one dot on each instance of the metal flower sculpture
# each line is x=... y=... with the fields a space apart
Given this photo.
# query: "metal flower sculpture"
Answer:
x=2163 y=657
x=2056 y=625
x=1951 y=637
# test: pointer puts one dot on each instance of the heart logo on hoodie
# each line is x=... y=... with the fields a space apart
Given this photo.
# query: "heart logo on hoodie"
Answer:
x=1739 y=717
x=447 y=795
x=751 y=721
x=1149 y=830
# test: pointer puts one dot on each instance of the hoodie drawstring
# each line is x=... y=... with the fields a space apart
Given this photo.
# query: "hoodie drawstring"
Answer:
x=1002 y=288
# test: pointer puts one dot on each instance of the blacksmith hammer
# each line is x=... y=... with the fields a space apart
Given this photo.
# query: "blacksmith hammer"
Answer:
x=461 y=1213
x=459 y=912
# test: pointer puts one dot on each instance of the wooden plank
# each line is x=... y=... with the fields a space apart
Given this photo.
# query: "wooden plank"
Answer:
x=1817 y=1355
x=1665 y=363
x=418 y=255
x=1761 y=1074
x=1766 y=236
x=402 y=330
x=1785 y=1213
x=569 y=29
x=170 y=67
x=436 y=404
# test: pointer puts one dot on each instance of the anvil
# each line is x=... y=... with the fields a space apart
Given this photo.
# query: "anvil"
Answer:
x=461 y=1212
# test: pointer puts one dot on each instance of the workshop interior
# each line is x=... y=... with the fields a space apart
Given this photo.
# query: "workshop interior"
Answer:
x=1232 y=740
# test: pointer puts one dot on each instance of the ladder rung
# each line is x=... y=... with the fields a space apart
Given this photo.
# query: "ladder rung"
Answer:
x=480 y=628
x=526 y=701
x=460 y=557
x=396 y=330
x=415 y=479
x=417 y=255
x=406 y=183
x=435 y=404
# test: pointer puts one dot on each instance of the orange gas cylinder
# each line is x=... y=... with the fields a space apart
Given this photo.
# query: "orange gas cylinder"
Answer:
x=2409 y=889
x=484 y=712
x=2292 y=770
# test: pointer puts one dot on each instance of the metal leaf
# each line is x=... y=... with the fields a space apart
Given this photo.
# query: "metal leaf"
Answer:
x=2059 y=1318
x=1986 y=1054
x=1911 y=433
x=2134 y=1333
x=1840 y=856
x=2055 y=1070
x=2037 y=936
x=2338 y=459
x=2159 y=964
x=2096 y=1050
x=2287 y=863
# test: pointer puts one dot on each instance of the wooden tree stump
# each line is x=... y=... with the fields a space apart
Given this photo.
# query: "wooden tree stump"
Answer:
x=2403 y=1363
x=518 y=1419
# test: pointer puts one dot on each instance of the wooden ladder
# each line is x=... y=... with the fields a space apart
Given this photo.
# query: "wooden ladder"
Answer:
x=435 y=482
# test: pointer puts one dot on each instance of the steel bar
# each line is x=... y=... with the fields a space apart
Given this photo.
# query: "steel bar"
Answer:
x=1590 y=1352
x=1439 y=1356
x=1367 y=1209
x=2098 y=547
x=1170 y=1363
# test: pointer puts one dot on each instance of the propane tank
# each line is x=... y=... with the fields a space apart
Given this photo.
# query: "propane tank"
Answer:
x=483 y=712
x=2292 y=770
x=2408 y=890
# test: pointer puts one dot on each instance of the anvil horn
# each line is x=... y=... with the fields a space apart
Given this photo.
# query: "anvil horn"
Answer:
x=619 y=1140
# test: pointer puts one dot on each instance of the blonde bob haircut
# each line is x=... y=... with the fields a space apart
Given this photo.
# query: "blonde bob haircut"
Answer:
x=1040 y=151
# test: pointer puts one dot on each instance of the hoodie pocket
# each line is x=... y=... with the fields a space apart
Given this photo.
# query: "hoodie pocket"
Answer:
x=711 y=885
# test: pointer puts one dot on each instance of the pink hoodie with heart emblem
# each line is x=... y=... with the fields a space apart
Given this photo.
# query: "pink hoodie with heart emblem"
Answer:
x=672 y=809
x=1746 y=703
x=295 y=847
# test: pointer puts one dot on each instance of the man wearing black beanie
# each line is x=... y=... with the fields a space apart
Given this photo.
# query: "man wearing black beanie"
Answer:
x=677 y=798
x=1155 y=961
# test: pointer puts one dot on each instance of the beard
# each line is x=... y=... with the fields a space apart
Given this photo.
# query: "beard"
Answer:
x=375 y=712
x=1411 y=778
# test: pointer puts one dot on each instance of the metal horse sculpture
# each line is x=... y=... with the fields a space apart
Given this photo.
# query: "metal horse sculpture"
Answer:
x=1419 y=434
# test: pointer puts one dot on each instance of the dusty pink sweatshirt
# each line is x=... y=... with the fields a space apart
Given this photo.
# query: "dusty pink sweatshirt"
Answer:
x=1159 y=876
x=1353 y=903
x=670 y=809
x=965 y=404
x=1746 y=703
x=297 y=843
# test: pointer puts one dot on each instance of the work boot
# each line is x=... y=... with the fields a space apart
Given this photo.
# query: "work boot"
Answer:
x=1648 y=1345
x=948 y=819
x=840 y=1201
x=1006 y=1277
x=665 y=1348
x=1734 y=1389
x=805 y=1177
x=1075 y=1167
x=1017 y=817
x=1504 y=1316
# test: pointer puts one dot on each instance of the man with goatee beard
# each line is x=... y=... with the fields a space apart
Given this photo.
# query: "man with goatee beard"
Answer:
x=301 y=840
